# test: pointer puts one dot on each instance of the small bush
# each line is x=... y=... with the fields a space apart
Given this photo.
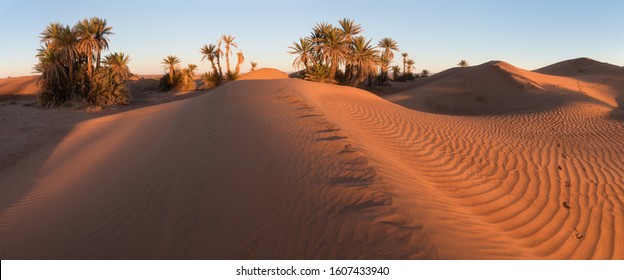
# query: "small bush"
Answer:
x=320 y=73
x=231 y=76
x=165 y=81
x=210 y=79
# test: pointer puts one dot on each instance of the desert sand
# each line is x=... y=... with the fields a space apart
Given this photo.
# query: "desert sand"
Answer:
x=483 y=162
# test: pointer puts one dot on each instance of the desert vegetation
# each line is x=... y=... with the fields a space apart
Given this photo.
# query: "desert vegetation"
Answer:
x=184 y=79
x=71 y=67
x=340 y=55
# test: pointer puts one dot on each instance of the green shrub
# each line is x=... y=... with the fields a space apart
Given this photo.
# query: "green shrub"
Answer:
x=320 y=73
x=107 y=88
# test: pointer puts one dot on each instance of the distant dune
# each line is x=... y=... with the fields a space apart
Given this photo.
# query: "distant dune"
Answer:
x=17 y=86
x=483 y=162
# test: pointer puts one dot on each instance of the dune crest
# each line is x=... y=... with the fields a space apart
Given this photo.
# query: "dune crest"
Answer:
x=264 y=74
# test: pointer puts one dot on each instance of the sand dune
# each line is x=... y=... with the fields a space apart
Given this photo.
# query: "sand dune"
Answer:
x=16 y=86
x=276 y=168
x=264 y=74
x=581 y=67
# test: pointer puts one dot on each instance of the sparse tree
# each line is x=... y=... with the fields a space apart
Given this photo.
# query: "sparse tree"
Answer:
x=254 y=65
x=462 y=63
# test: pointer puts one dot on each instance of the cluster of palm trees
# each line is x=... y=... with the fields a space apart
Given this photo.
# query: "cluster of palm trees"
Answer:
x=184 y=78
x=340 y=55
x=176 y=77
x=214 y=53
x=408 y=68
x=72 y=69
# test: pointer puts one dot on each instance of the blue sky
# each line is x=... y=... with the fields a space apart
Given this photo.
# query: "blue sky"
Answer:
x=437 y=34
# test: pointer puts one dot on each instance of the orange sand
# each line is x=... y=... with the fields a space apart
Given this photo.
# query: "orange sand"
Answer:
x=486 y=162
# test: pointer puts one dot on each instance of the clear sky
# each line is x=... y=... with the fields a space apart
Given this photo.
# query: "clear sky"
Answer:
x=437 y=34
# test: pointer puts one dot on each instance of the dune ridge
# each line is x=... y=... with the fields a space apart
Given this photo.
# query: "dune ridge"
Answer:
x=288 y=169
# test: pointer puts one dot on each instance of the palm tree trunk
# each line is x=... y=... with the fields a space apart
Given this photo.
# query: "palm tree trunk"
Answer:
x=214 y=68
x=220 y=69
x=89 y=66
x=227 y=58
x=97 y=63
x=171 y=74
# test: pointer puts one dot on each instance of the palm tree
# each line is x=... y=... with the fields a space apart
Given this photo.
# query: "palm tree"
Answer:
x=118 y=63
x=396 y=72
x=404 y=60
x=218 y=54
x=387 y=45
x=87 y=41
x=61 y=40
x=254 y=65
x=191 y=67
x=363 y=58
x=170 y=63
x=229 y=42
x=333 y=48
x=93 y=39
x=189 y=77
x=462 y=63
x=350 y=28
x=424 y=73
x=410 y=65
x=208 y=53
x=51 y=67
x=303 y=50
x=240 y=59
x=101 y=36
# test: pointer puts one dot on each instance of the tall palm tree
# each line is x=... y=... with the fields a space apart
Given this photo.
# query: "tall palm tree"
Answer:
x=332 y=48
x=208 y=53
x=350 y=28
x=387 y=45
x=93 y=39
x=171 y=63
x=61 y=40
x=229 y=42
x=218 y=55
x=240 y=59
x=363 y=58
x=102 y=30
x=404 y=60
x=303 y=50
x=118 y=63
x=462 y=63
x=88 y=44
x=254 y=65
